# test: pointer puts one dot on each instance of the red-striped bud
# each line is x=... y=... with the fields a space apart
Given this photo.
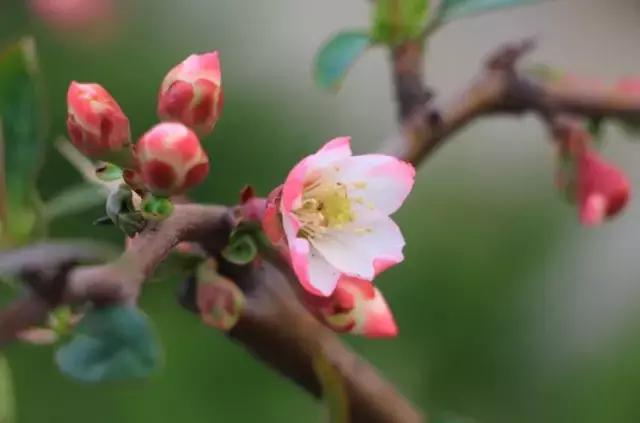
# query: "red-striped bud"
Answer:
x=97 y=125
x=603 y=190
x=170 y=159
x=357 y=307
x=191 y=93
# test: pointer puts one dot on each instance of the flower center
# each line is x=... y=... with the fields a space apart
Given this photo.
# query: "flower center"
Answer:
x=324 y=206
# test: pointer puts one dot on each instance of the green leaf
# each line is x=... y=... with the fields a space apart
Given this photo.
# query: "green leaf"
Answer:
x=242 y=249
x=111 y=344
x=396 y=21
x=108 y=172
x=7 y=405
x=23 y=130
x=75 y=199
x=456 y=9
x=334 y=392
x=338 y=55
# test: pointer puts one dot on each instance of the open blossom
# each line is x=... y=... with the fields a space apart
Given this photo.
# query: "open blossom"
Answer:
x=603 y=190
x=356 y=307
x=191 y=93
x=335 y=211
x=97 y=125
x=170 y=159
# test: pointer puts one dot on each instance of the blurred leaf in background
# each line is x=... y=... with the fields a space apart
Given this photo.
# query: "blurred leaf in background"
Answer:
x=111 y=344
x=22 y=133
x=337 y=55
x=6 y=393
x=396 y=21
x=456 y=9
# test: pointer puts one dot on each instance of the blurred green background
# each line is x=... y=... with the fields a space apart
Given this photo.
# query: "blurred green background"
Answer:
x=508 y=310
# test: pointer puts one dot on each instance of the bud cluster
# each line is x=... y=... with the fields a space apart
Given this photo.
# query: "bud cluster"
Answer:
x=168 y=159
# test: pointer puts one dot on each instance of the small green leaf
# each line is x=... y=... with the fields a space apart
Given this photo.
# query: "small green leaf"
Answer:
x=111 y=344
x=23 y=130
x=7 y=414
x=338 y=55
x=456 y=9
x=75 y=199
x=396 y=21
x=242 y=249
x=156 y=208
x=108 y=172
x=334 y=392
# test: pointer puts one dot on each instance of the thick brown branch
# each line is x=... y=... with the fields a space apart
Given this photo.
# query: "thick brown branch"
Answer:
x=278 y=330
x=275 y=326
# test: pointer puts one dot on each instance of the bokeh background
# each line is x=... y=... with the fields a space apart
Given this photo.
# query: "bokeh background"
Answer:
x=508 y=310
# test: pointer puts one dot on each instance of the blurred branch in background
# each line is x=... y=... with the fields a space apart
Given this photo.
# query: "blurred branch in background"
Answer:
x=500 y=88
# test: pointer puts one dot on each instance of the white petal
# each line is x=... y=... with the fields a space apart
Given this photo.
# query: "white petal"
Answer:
x=379 y=181
x=322 y=275
x=354 y=249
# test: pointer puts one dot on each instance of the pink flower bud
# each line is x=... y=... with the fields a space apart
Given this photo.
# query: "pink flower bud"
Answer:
x=96 y=124
x=356 y=307
x=603 y=190
x=191 y=93
x=170 y=159
x=628 y=85
x=219 y=300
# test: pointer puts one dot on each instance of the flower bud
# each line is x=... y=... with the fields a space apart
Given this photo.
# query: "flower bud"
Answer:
x=191 y=93
x=603 y=190
x=97 y=126
x=170 y=159
x=219 y=300
x=600 y=189
x=357 y=307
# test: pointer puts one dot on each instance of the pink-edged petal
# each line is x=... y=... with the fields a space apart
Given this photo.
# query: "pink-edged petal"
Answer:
x=314 y=273
x=380 y=181
x=293 y=186
x=336 y=149
x=271 y=224
x=355 y=248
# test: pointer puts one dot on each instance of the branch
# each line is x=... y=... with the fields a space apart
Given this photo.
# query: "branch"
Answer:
x=52 y=278
x=277 y=329
x=274 y=325
x=499 y=88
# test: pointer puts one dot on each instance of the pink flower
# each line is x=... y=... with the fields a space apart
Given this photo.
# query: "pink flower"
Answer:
x=603 y=190
x=335 y=211
x=356 y=307
x=191 y=93
x=170 y=159
x=97 y=125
